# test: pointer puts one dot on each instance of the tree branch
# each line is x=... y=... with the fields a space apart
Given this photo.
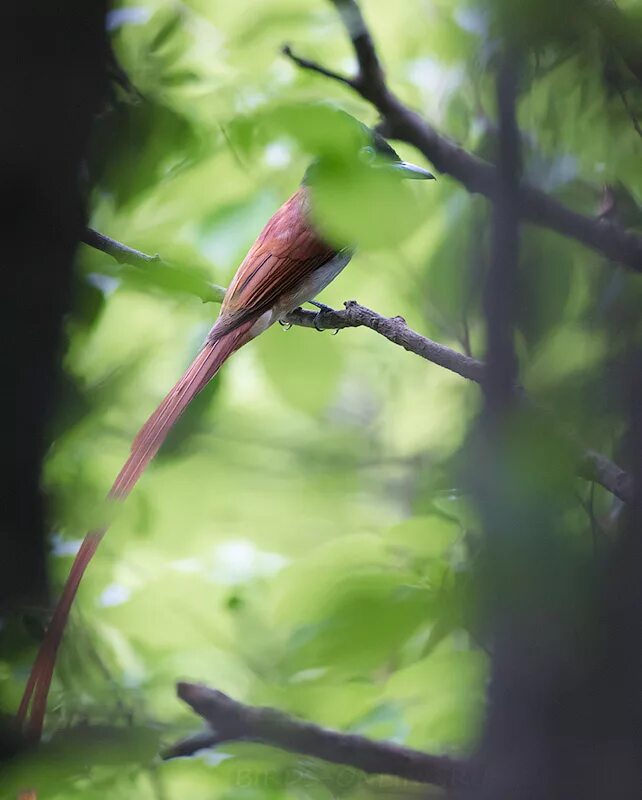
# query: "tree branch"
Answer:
x=395 y=330
x=231 y=721
x=476 y=175
x=592 y=466
x=123 y=254
x=118 y=251
x=306 y=63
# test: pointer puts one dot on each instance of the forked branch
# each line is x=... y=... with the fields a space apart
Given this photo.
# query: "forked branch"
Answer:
x=476 y=175
x=231 y=721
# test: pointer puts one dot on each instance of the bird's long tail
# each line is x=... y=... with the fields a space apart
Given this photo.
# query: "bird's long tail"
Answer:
x=216 y=351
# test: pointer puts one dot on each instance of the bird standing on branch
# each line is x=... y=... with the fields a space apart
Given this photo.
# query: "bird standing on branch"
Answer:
x=289 y=264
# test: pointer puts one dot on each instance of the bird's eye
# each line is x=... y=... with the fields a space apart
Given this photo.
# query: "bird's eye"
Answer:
x=367 y=154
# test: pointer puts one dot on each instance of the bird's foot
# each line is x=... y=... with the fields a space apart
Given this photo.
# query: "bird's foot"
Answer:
x=323 y=308
x=285 y=325
x=320 y=306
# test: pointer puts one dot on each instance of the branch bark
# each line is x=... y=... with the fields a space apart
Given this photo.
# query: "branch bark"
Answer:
x=231 y=721
x=476 y=175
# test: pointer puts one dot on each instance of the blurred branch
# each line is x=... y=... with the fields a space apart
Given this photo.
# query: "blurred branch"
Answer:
x=231 y=721
x=622 y=31
x=599 y=469
x=627 y=107
x=475 y=174
x=118 y=251
x=500 y=291
x=123 y=254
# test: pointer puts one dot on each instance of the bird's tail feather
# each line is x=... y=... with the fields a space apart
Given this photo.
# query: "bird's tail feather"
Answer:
x=144 y=448
x=155 y=430
x=37 y=687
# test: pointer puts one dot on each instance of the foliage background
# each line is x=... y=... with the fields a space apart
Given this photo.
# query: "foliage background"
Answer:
x=302 y=541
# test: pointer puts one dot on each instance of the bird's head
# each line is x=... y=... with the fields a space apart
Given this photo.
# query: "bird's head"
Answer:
x=379 y=154
x=357 y=189
x=359 y=147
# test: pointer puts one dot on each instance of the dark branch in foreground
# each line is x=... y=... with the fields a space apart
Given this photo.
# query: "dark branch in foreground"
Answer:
x=231 y=721
x=477 y=175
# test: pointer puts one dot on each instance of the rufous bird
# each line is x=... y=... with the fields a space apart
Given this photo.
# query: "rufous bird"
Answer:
x=288 y=264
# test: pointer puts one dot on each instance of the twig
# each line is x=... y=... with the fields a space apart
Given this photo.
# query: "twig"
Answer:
x=305 y=63
x=123 y=254
x=232 y=721
x=627 y=107
x=118 y=251
x=475 y=174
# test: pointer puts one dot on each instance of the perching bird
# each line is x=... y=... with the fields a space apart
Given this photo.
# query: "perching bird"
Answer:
x=289 y=264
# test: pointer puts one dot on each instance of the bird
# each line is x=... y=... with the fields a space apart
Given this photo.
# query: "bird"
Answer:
x=289 y=264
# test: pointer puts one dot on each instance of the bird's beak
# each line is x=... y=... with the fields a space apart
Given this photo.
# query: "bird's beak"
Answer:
x=411 y=171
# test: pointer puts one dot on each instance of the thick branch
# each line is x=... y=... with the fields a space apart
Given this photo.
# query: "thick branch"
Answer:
x=475 y=174
x=231 y=721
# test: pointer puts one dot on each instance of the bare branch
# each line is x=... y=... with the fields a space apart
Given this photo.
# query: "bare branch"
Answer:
x=312 y=66
x=601 y=470
x=591 y=466
x=123 y=254
x=475 y=174
x=395 y=330
x=231 y=721
x=118 y=251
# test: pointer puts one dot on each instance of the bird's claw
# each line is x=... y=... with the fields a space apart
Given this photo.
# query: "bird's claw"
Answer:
x=285 y=325
x=323 y=308
x=320 y=306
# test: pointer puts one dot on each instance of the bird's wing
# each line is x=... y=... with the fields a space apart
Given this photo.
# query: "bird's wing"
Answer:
x=285 y=253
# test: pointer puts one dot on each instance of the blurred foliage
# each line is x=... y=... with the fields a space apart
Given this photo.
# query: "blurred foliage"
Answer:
x=303 y=540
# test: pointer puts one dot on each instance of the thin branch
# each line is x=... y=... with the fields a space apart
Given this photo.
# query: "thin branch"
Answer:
x=475 y=174
x=231 y=721
x=395 y=330
x=118 y=251
x=627 y=107
x=312 y=66
x=123 y=254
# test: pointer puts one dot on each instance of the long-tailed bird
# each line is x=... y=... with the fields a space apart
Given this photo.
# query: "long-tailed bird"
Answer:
x=288 y=264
